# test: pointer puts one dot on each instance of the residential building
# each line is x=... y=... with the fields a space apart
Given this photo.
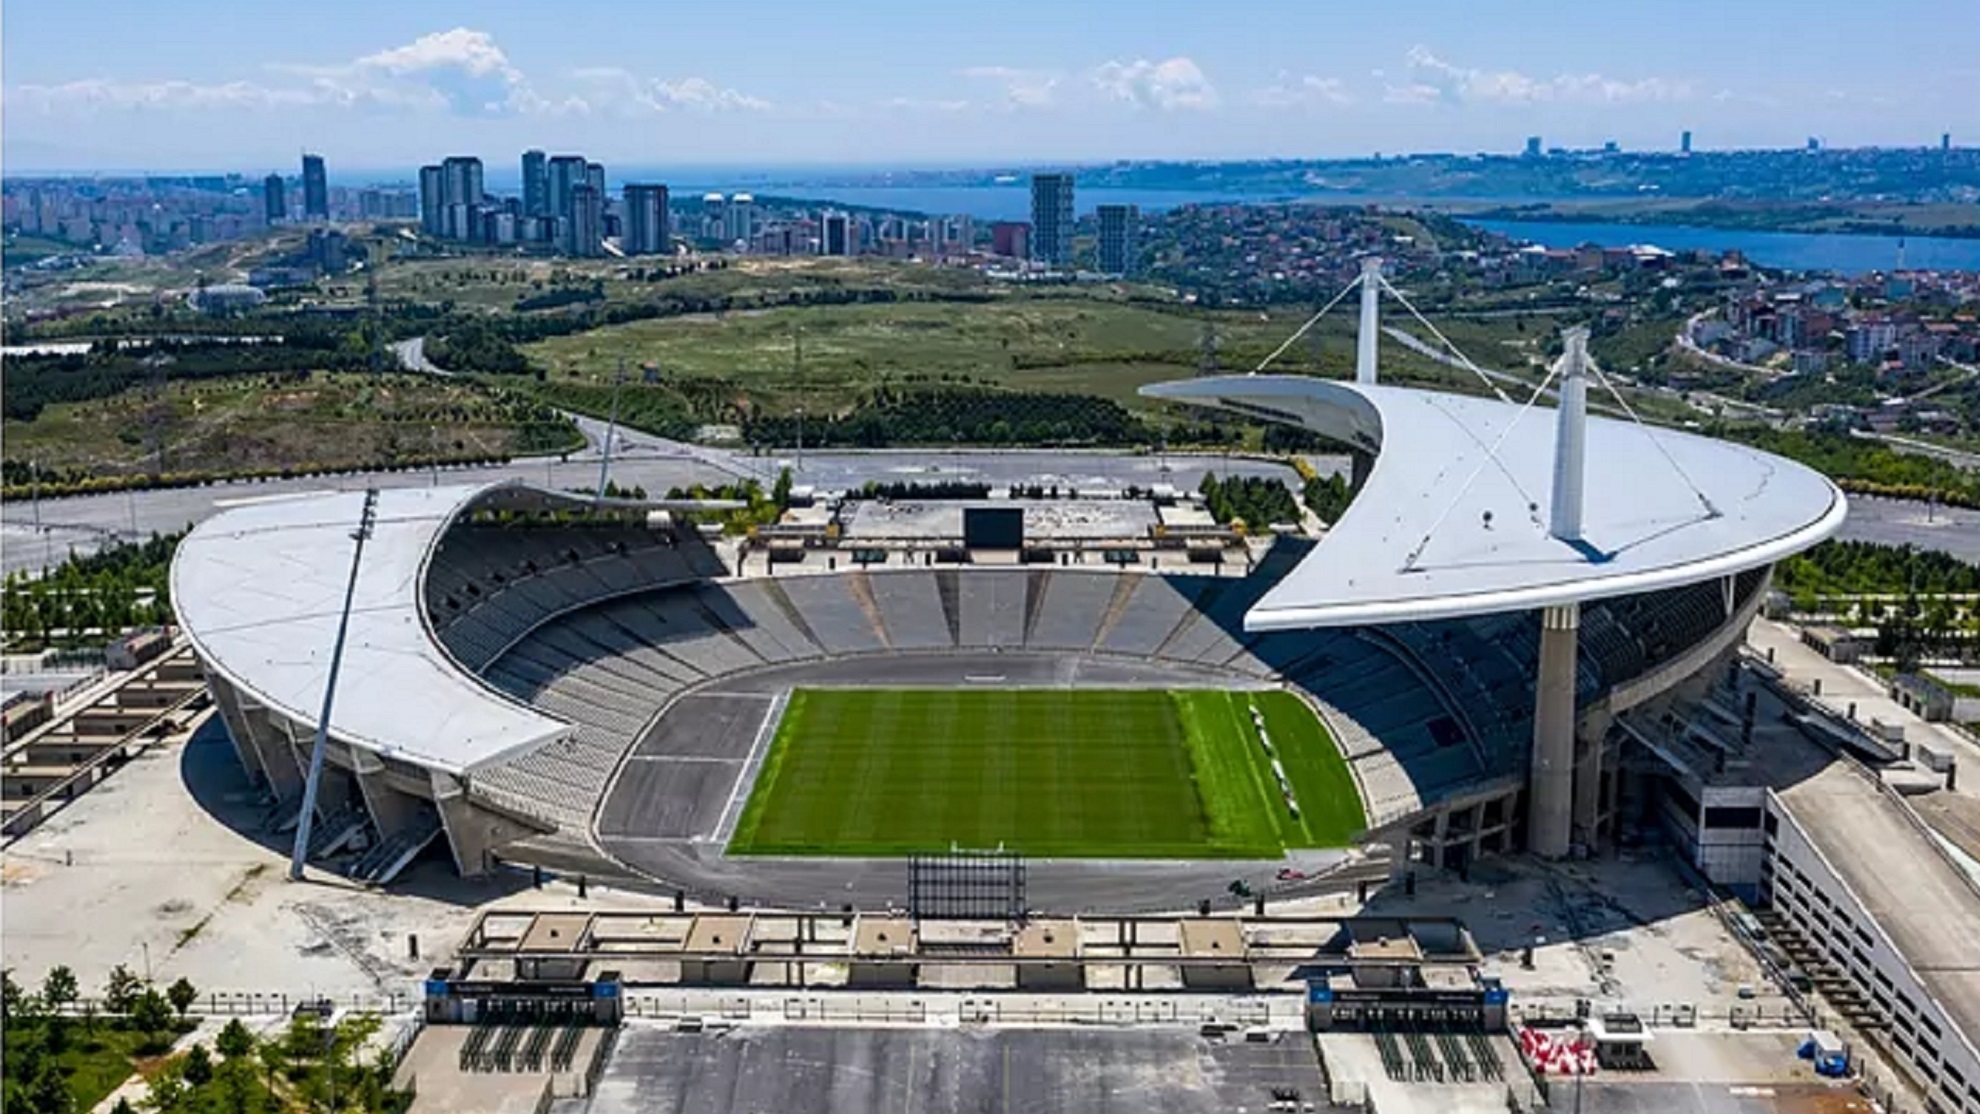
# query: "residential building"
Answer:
x=648 y=224
x=1118 y=248
x=1052 y=219
x=739 y=218
x=1684 y=143
x=431 y=194
x=1011 y=239
x=1532 y=146
x=835 y=235
x=316 y=189
x=594 y=176
x=587 y=236
x=460 y=181
x=1871 y=339
x=328 y=250
x=563 y=174
x=535 y=184
x=274 y=198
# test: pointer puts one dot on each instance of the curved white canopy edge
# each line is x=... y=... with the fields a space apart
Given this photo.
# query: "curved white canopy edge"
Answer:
x=1451 y=520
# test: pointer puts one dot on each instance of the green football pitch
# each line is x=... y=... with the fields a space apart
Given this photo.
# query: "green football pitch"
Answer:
x=1048 y=773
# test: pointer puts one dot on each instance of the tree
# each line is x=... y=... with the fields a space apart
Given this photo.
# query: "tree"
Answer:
x=781 y=493
x=120 y=990
x=234 y=1041
x=59 y=988
x=199 y=1066
x=168 y=1087
x=11 y=996
x=182 y=994
x=151 y=1015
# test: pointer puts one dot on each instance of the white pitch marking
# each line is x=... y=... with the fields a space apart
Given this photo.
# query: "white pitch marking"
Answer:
x=726 y=827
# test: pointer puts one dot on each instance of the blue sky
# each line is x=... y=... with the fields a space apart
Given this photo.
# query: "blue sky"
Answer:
x=381 y=85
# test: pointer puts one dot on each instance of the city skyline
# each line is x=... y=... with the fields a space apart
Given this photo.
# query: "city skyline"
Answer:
x=1038 y=83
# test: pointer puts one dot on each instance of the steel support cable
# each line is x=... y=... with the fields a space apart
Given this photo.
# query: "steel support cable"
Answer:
x=1491 y=457
x=1310 y=322
x=1455 y=350
x=1704 y=500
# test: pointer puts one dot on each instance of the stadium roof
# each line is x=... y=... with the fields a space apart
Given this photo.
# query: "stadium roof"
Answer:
x=1451 y=521
x=259 y=588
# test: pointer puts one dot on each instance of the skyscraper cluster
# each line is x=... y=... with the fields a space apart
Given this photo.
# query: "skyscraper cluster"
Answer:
x=563 y=206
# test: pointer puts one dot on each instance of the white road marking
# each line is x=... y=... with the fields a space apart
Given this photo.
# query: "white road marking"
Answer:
x=732 y=811
x=278 y=497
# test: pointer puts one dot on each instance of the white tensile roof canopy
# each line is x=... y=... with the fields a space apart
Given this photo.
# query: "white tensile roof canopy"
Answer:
x=1453 y=520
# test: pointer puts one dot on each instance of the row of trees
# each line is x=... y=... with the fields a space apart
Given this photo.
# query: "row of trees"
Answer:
x=64 y=1053
x=33 y=383
x=1327 y=496
x=111 y=590
x=967 y=415
x=1864 y=466
x=52 y=1031
x=1855 y=568
x=1253 y=500
x=760 y=508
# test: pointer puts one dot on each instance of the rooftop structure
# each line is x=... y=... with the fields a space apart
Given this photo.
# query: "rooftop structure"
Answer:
x=1453 y=520
x=258 y=589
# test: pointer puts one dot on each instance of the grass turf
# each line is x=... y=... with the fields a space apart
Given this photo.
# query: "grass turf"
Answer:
x=1048 y=773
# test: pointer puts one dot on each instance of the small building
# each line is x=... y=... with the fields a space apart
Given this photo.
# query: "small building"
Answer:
x=1048 y=954
x=1835 y=643
x=883 y=953
x=1214 y=955
x=134 y=650
x=713 y=953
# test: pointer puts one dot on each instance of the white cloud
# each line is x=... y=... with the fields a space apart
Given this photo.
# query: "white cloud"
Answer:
x=1022 y=88
x=1303 y=91
x=926 y=104
x=1169 y=85
x=99 y=93
x=1432 y=79
x=610 y=89
x=462 y=71
x=700 y=93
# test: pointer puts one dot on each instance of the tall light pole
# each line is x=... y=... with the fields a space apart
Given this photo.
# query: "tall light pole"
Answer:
x=611 y=430
x=797 y=365
x=366 y=520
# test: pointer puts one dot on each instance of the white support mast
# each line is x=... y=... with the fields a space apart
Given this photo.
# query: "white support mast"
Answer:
x=1371 y=319
x=1571 y=438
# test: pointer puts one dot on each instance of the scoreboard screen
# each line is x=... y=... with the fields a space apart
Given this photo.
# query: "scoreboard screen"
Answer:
x=993 y=527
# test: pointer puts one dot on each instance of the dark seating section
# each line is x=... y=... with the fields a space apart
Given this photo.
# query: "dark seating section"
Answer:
x=1422 y=710
x=486 y=584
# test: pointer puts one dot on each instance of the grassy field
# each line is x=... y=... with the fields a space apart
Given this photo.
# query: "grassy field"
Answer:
x=259 y=421
x=1085 y=345
x=496 y=284
x=1048 y=773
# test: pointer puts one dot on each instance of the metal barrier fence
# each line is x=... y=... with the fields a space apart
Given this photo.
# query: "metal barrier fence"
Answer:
x=983 y=1010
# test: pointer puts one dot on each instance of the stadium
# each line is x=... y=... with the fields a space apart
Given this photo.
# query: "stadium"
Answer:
x=1458 y=668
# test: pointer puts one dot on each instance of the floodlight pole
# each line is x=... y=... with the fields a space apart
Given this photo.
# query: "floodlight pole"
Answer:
x=366 y=519
x=611 y=430
x=1370 y=332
